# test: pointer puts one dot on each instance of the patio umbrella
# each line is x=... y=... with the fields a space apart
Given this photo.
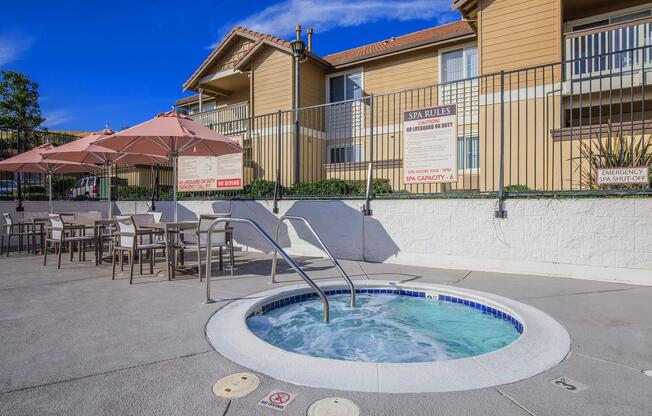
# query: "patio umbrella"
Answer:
x=33 y=161
x=85 y=150
x=171 y=135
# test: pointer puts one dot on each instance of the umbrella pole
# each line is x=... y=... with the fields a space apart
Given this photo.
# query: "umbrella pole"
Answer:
x=174 y=186
x=108 y=197
x=50 y=192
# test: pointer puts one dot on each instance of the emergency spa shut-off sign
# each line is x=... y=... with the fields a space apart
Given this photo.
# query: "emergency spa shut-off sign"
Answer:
x=430 y=145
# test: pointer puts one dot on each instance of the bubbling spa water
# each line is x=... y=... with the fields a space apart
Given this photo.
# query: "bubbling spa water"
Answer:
x=386 y=328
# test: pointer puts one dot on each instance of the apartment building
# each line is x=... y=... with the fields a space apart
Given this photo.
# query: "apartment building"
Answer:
x=533 y=80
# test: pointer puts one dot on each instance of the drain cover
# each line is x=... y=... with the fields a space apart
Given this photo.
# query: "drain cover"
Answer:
x=333 y=406
x=236 y=385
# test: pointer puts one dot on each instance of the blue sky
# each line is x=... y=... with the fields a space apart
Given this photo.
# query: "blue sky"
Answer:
x=121 y=62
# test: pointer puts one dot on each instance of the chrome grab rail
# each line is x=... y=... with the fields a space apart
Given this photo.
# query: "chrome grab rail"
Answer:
x=292 y=263
x=323 y=246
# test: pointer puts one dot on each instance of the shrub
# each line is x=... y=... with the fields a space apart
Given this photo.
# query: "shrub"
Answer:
x=614 y=151
x=335 y=187
x=517 y=188
x=259 y=188
x=140 y=193
x=321 y=187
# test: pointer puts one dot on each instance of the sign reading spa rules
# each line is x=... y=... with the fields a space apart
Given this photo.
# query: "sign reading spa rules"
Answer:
x=430 y=145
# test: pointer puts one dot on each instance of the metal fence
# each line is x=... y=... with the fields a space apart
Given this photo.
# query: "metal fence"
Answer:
x=532 y=131
x=537 y=130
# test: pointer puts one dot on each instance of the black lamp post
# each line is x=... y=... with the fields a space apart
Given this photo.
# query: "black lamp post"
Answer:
x=298 y=50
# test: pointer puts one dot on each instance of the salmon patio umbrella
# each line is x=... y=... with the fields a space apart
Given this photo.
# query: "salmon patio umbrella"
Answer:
x=85 y=150
x=171 y=135
x=33 y=161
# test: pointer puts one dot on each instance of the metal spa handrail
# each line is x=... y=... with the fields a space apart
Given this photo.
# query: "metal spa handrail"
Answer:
x=323 y=246
x=288 y=259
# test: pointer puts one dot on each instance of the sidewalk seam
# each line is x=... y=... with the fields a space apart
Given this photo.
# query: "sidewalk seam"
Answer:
x=104 y=372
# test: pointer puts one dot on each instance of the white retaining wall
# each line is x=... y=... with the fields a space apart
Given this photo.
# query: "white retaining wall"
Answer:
x=601 y=239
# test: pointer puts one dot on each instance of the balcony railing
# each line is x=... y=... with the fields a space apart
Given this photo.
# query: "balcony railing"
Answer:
x=225 y=120
x=607 y=49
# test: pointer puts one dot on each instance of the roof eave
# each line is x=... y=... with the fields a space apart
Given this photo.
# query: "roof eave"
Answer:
x=401 y=49
x=190 y=82
x=264 y=42
x=469 y=11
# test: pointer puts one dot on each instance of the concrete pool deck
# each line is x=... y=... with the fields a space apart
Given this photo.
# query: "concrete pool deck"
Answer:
x=74 y=342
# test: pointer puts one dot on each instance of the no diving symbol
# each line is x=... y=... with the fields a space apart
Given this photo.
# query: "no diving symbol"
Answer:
x=277 y=399
x=280 y=397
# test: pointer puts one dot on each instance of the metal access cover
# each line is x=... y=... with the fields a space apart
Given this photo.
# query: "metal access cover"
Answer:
x=333 y=406
x=236 y=385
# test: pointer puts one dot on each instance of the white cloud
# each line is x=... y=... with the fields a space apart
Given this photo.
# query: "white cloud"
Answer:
x=12 y=45
x=56 y=118
x=279 y=19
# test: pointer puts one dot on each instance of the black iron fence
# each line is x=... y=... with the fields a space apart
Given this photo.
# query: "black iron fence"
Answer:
x=532 y=131
x=538 y=130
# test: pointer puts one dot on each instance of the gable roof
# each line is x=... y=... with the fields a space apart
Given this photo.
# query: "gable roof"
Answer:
x=235 y=32
x=437 y=34
x=260 y=39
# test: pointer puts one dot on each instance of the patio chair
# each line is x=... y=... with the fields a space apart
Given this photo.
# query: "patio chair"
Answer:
x=58 y=235
x=10 y=229
x=38 y=227
x=126 y=240
x=221 y=238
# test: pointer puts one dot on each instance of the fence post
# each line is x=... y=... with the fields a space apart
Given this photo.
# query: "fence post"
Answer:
x=500 y=212
x=366 y=209
x=19 y=177
x=277 y=186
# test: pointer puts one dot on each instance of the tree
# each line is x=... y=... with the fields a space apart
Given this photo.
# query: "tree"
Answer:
x=19 y=106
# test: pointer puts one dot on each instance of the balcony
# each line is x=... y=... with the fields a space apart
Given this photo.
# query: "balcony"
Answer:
x=614 y=51
x=228 y=120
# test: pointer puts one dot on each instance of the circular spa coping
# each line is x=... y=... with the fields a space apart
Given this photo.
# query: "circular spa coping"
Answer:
x=542 y=345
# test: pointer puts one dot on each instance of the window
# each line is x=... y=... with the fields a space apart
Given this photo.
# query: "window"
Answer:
x=345 y=87
x=347 y=153
x=468 y=152
x=613 y=19
x=459 y=64
x=344 y=118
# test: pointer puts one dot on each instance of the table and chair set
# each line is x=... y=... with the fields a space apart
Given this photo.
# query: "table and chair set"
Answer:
x=134 y=238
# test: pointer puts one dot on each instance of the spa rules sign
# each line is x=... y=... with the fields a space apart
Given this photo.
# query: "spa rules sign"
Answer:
x=430 y=145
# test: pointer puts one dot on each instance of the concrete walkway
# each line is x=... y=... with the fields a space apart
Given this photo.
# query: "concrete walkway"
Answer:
x=73 y=342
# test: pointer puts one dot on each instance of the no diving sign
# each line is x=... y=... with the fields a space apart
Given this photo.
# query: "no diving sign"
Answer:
x=277 y=399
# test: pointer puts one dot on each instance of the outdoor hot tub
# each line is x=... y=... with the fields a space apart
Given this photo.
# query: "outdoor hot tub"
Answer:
x=397 y=338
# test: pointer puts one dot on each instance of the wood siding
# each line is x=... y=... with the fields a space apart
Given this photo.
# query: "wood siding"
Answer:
x=403 y=71
x=518 y=33
x=313 y=78
x=272 y=86
x=231 y=56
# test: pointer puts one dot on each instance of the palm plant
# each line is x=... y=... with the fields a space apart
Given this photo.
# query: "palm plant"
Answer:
x=614 y=151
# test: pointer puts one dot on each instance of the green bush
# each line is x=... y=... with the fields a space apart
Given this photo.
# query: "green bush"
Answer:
x=142 y=193
x=335 y=187
x=321 y=187
x=259 y=188
x=378 y=186
x=517 y=188
x=33 y=189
